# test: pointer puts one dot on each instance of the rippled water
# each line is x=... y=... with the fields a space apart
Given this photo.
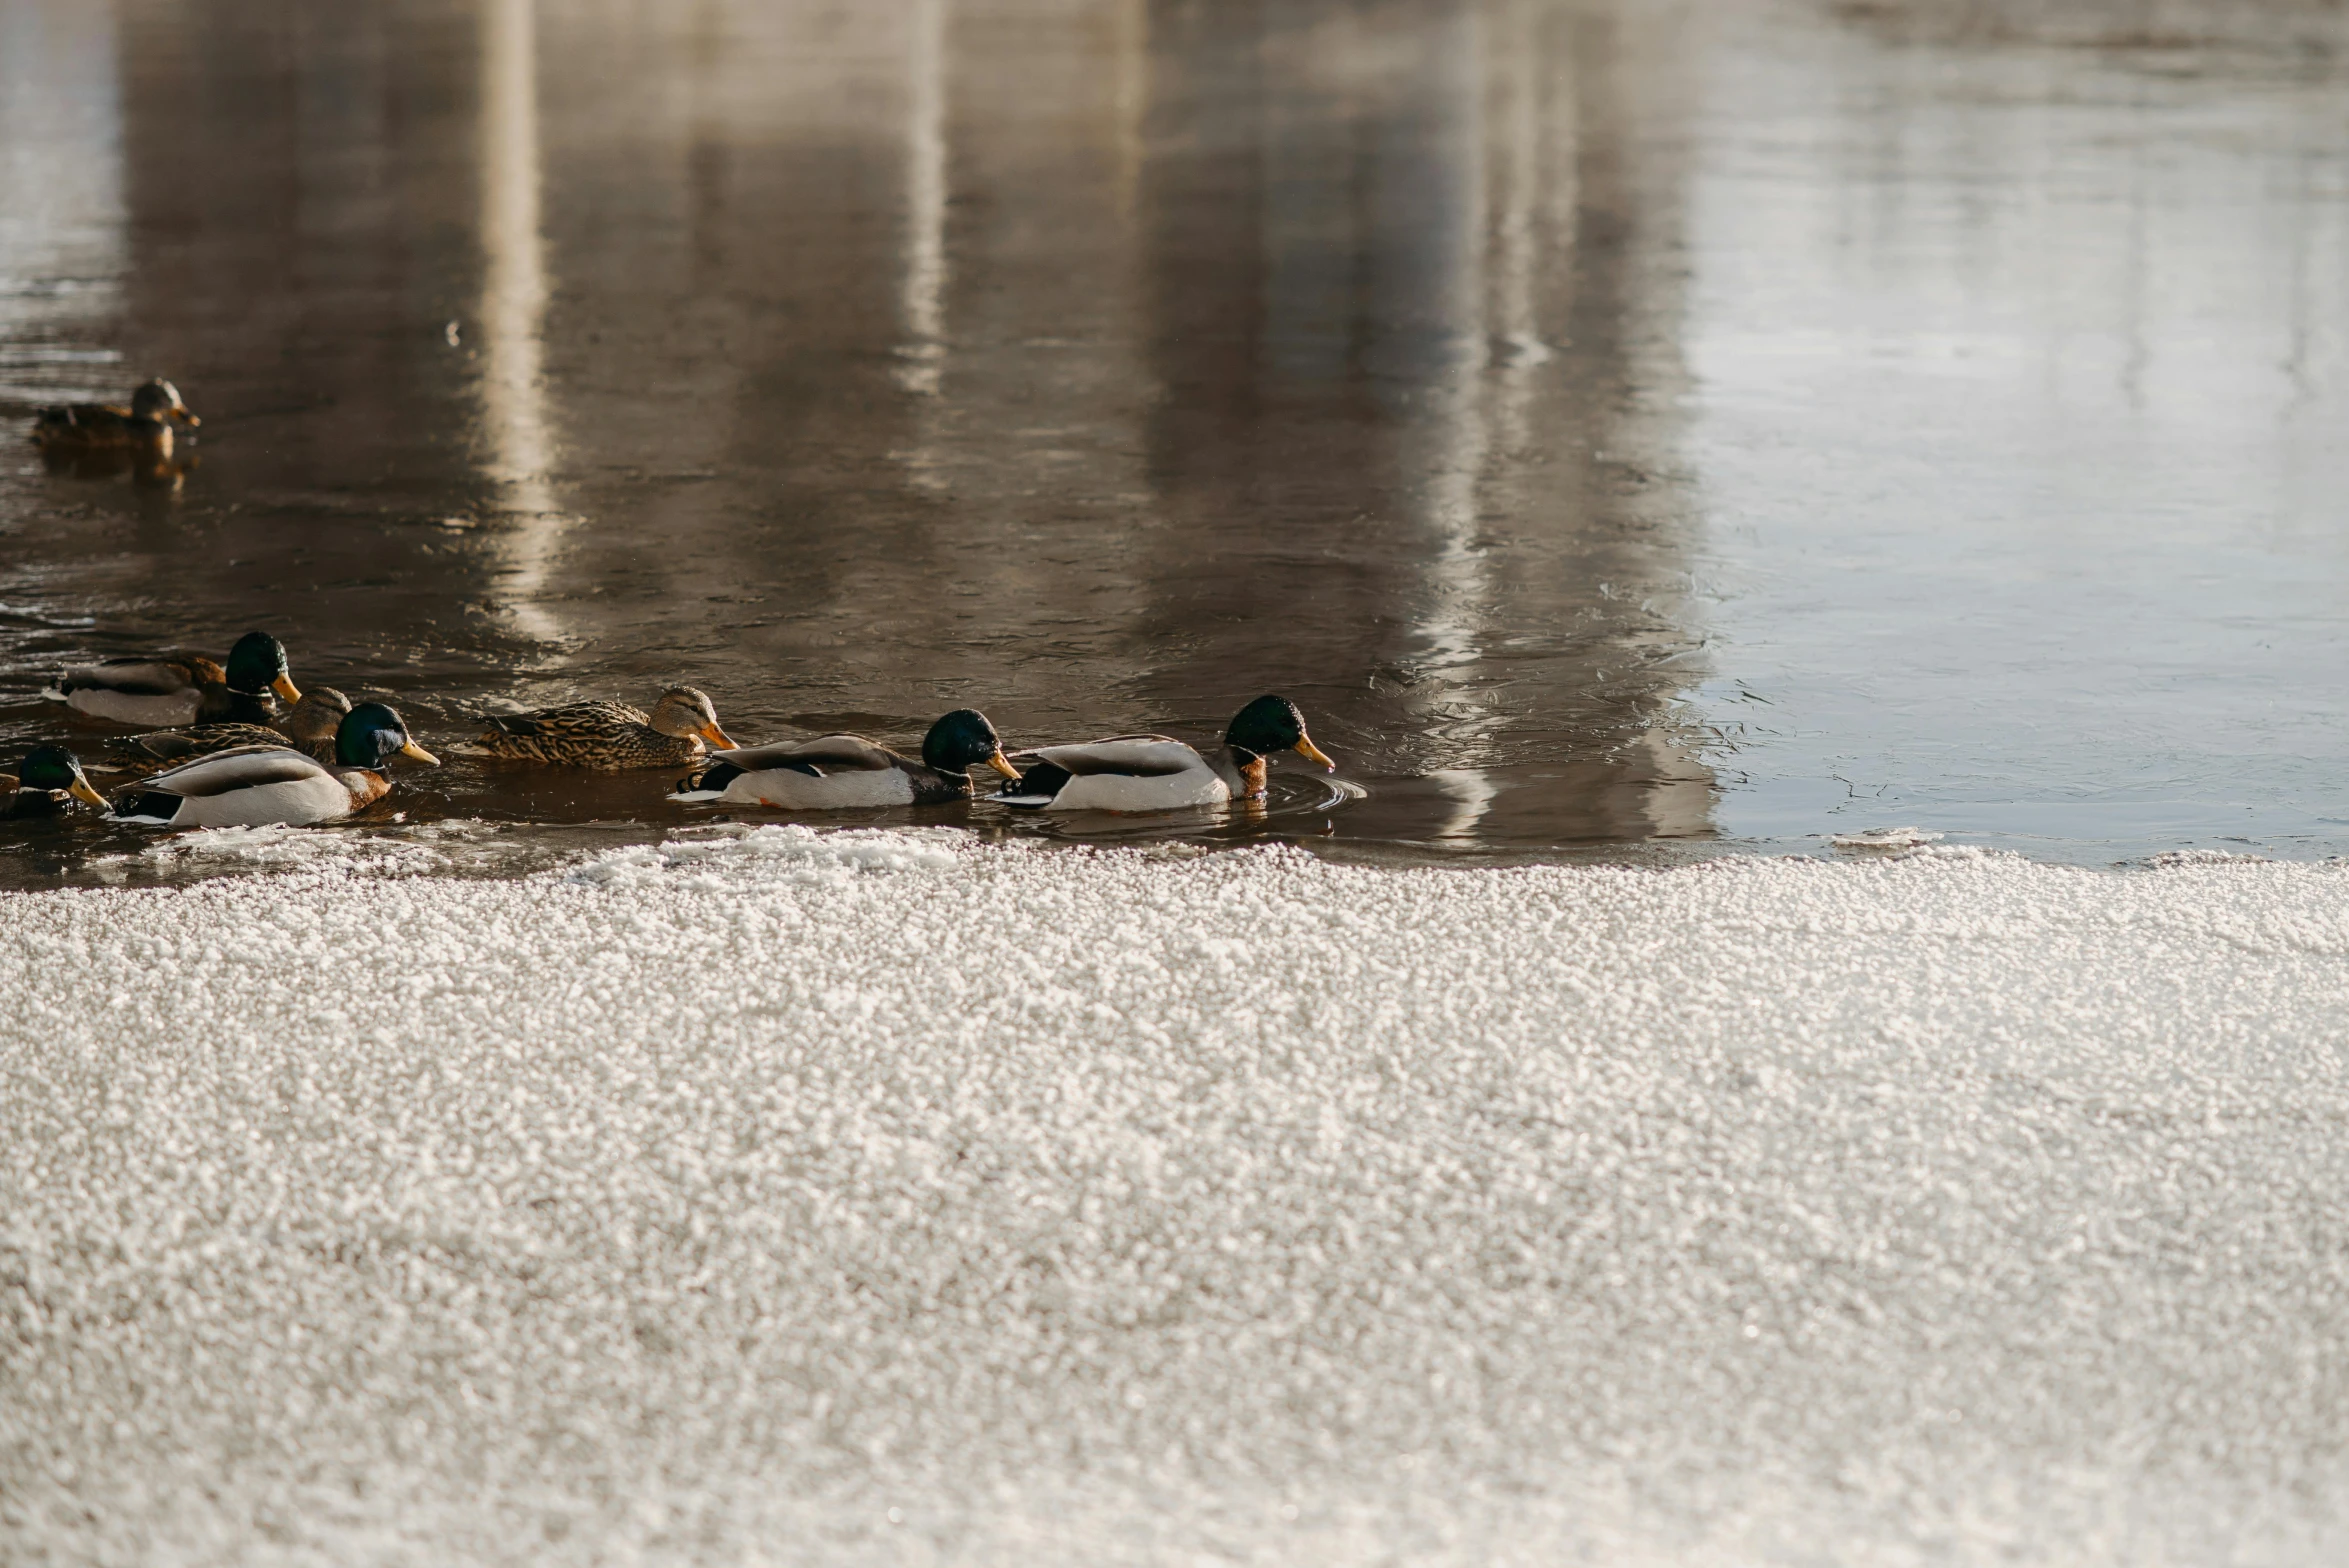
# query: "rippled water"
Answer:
x=1618 y=426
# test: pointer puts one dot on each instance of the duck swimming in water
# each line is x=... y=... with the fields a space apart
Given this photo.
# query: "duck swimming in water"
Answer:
x=310 y=725
x=49 y=780
x=1157 y=773
x=253 y=786
x=843 y=772
x=155 y=409
x=167 y=691
x=681 y=728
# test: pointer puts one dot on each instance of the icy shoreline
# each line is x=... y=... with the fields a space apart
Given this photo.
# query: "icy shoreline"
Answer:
x=795 y=1197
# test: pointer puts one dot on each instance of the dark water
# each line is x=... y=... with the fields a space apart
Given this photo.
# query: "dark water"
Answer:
x=1618 y=427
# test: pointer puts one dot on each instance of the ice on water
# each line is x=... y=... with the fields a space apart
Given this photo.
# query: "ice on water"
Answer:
x=777 y=1196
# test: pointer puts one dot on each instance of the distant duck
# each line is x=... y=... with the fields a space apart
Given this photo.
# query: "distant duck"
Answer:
x=148 y=422
x=1155 y=773
x=253 y=786
x=843 y=772
x=310 y=725
x=177 y=691
x=682 y=727
x=50 y=778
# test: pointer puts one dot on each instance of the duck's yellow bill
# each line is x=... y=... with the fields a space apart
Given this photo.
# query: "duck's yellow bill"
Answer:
x=1002 y=764
x=80 y=790
x=1312 y=753
x=284 y=686
x=717 y=737
x=417 y=753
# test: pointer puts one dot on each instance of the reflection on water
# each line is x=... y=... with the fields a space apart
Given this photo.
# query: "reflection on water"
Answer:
x=1500 y=380
x=513 y=308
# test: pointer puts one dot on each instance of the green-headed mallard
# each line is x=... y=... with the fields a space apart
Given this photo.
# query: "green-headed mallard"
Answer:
x=310 y=724
x=682 y=726
x=154 y=409
x=257 y=785
x=176 y=691
x=50 y=777
x=1154 y=773
x=836 y=772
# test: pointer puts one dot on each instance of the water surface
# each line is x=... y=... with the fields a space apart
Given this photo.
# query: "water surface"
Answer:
x=1626 y=431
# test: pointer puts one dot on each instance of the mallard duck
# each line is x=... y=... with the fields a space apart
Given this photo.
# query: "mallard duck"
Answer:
x=255 y=785
x=180 y=691
x=50 y=777
x=1155 y=773
x=609 y=734
x=310 y=724
x=834 y=772
x=154 y=409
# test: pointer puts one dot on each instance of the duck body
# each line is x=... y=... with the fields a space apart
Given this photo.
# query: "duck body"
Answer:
x=257 y=786
x=46 y=785
x=848 y=772
x=147 y=423
x=146 y=691
x=682 y=728
x=1158 y=773
x=1133 y=773
x=310 y=727
x=250 y=786
x=159 y=693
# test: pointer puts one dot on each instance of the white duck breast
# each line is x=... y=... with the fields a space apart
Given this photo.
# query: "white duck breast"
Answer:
x=250 y=787
x=830 y=773
x=132 y=692
x=1131 y=773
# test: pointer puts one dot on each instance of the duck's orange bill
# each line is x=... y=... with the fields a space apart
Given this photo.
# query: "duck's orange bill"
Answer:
x=284 y=686
x=419 y=754
x=716 y=737
x=1312 y=753
x=80 y=790
x=1002 y=764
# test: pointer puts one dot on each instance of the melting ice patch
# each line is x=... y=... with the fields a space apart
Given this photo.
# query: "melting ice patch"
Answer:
x=942 y=1202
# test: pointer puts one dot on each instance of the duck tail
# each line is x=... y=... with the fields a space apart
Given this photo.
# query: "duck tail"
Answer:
x=709 y=784
x=1039 y=786
x=150 y=806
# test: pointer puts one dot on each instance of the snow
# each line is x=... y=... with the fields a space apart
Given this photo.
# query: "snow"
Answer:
x=773 y=1196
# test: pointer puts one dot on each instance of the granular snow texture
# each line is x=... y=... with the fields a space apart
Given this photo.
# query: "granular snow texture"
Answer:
x=883 y=1197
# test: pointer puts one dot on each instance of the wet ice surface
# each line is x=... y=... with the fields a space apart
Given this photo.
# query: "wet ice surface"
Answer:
x=888 y=1196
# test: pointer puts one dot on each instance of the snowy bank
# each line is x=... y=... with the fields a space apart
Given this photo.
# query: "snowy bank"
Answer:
x=786 y=1197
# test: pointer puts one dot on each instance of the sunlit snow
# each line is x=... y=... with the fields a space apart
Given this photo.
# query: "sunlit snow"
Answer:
x=779 y=1196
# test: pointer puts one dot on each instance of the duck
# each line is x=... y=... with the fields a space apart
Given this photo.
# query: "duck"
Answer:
x=169 y=691
x=1158 y=773
x=255 y=786
x=148 y=422
x=681 y=729
x=838 y=772
x=47 y=781
x=310 y=724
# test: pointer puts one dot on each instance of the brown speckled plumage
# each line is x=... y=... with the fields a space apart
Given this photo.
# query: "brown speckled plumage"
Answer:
x=681 y=727
x=309 y=726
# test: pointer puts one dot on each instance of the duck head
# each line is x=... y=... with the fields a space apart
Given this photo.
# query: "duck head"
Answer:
x=1271 y=724
x=257 y=664
x=371 y=734
x=158 y=400
x=687 y=710
x=964 y=739
x=54 y=769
